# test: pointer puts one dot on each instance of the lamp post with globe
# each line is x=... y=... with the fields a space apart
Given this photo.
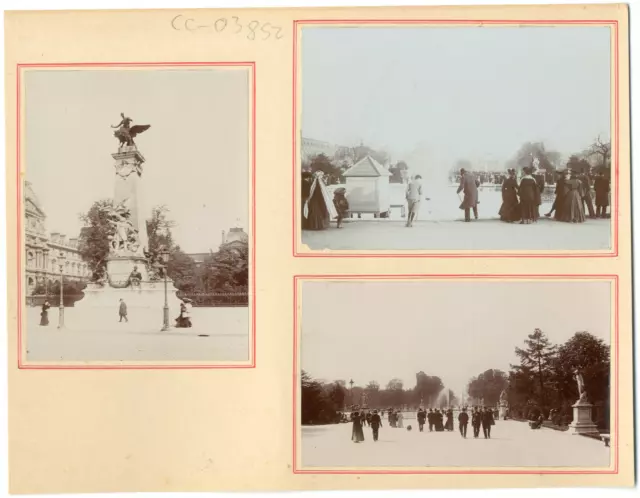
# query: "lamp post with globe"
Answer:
x=61 y=259
x=164 y=256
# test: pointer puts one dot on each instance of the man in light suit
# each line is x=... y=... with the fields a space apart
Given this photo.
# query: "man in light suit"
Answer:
x=469 y=186
x=414 y=194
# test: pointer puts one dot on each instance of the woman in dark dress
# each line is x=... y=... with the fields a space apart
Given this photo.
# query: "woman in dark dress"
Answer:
x=305 y=191
x=357 y=435
x=572 y=207
x=44 y=314
x=319 y=208
x=510 y=209
x=529 y=198
x=449 y=424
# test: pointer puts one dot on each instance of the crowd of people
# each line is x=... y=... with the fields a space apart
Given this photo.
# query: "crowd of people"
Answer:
x=573 y=197
x=437 y=421
x=578 y=195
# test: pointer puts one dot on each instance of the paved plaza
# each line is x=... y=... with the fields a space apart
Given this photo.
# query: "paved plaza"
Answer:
x=218 y=335
x=441 y=227
x=512 y=444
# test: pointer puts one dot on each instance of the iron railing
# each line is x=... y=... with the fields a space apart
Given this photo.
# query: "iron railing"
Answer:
x=198 y=299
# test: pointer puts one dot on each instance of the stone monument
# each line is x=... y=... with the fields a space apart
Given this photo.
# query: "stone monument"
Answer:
x=582 y=422
x=503 y=405
x=129 y=274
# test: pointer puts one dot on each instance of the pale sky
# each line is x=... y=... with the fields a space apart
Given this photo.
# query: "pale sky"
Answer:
x=196 y=151
x=456 y=330
x=438 y=94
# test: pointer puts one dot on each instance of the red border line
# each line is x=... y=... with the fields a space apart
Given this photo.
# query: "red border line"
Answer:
x=414 y=277
x=252 y=222
x=297 y=232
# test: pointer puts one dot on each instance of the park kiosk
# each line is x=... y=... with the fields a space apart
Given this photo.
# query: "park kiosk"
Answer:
x=367 y=184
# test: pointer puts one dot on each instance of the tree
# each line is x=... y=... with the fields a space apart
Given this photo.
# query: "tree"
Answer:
x=427 y=388
x=591 y=356
x=549 y=160
x=322 y=163
x=93 y=242
x=228 y=269
x=398 y=172
x=313 y=400
x=396 y=392
x=488 y=386
x=602 y=151
x=578 y=164
x=537 y=360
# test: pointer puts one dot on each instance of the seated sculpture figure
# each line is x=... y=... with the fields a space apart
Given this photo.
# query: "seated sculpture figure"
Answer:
x=135 y=277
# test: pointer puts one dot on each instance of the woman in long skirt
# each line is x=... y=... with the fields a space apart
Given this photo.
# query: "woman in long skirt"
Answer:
x=510 y=209
x=572 y=208
x=357 y=435
x=44 y=314
x=449 y=423
x=319 y=208
x=400 y=419
x=529 y=198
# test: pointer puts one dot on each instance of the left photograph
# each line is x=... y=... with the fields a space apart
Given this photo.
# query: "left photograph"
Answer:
x=136 y=223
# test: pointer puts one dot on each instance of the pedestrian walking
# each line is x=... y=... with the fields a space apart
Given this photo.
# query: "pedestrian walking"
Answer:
x=487 y=422
x=463 y=421
x=414 y=195
x=44 y=314
x=476 y=421
x=601 y=186
x=376 y=423
x=357 y=435
x=123 y=311
x=469 y=186
x=422 y=416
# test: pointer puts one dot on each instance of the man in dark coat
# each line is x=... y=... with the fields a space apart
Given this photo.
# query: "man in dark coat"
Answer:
x=601 y=186
x=487 y=422
x=376 y=423
x=122 y=311
x=585 y=193
x=463 y=421
x=476 y=421
x=421 y=419
x=430 y=419
x=469 y=186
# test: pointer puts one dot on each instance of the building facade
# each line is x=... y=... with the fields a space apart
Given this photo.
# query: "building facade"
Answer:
x=43 y=251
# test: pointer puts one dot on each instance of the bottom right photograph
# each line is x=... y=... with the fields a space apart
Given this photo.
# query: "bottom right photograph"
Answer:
x=455 y=372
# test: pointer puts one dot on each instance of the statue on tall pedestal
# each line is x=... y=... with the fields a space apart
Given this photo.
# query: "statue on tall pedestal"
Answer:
x=126 y=133
x=582 y=410
x=132 y=271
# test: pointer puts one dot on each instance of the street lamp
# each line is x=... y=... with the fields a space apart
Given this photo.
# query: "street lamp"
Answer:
x=61 y=258
x=164 y=256
x=351 y=395
x=45 y=251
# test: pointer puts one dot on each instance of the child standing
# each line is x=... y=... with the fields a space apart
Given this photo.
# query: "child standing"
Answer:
x=342 y=204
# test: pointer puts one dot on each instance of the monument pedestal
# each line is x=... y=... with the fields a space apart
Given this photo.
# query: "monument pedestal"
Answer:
x=582 y=421
x=127 y=270
x=98 y=309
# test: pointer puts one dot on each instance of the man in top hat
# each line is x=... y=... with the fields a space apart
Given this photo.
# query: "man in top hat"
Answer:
x=463 y=421
x=469 y=186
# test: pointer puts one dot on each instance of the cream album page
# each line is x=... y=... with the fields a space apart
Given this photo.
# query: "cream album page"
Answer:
x=306 y=249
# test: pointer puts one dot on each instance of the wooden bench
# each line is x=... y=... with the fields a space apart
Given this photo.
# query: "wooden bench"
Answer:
x=606 y=438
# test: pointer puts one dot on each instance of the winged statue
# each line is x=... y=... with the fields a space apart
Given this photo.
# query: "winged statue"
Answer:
x=126 y=133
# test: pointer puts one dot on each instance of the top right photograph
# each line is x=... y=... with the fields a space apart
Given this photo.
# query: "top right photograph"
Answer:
x=446 y=139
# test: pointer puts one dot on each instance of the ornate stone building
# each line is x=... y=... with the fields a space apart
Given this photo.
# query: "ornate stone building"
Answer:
x=42 y=251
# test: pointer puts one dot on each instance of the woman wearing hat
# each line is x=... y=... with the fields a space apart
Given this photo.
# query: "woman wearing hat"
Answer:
x=44 y=314
x=510 y=209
